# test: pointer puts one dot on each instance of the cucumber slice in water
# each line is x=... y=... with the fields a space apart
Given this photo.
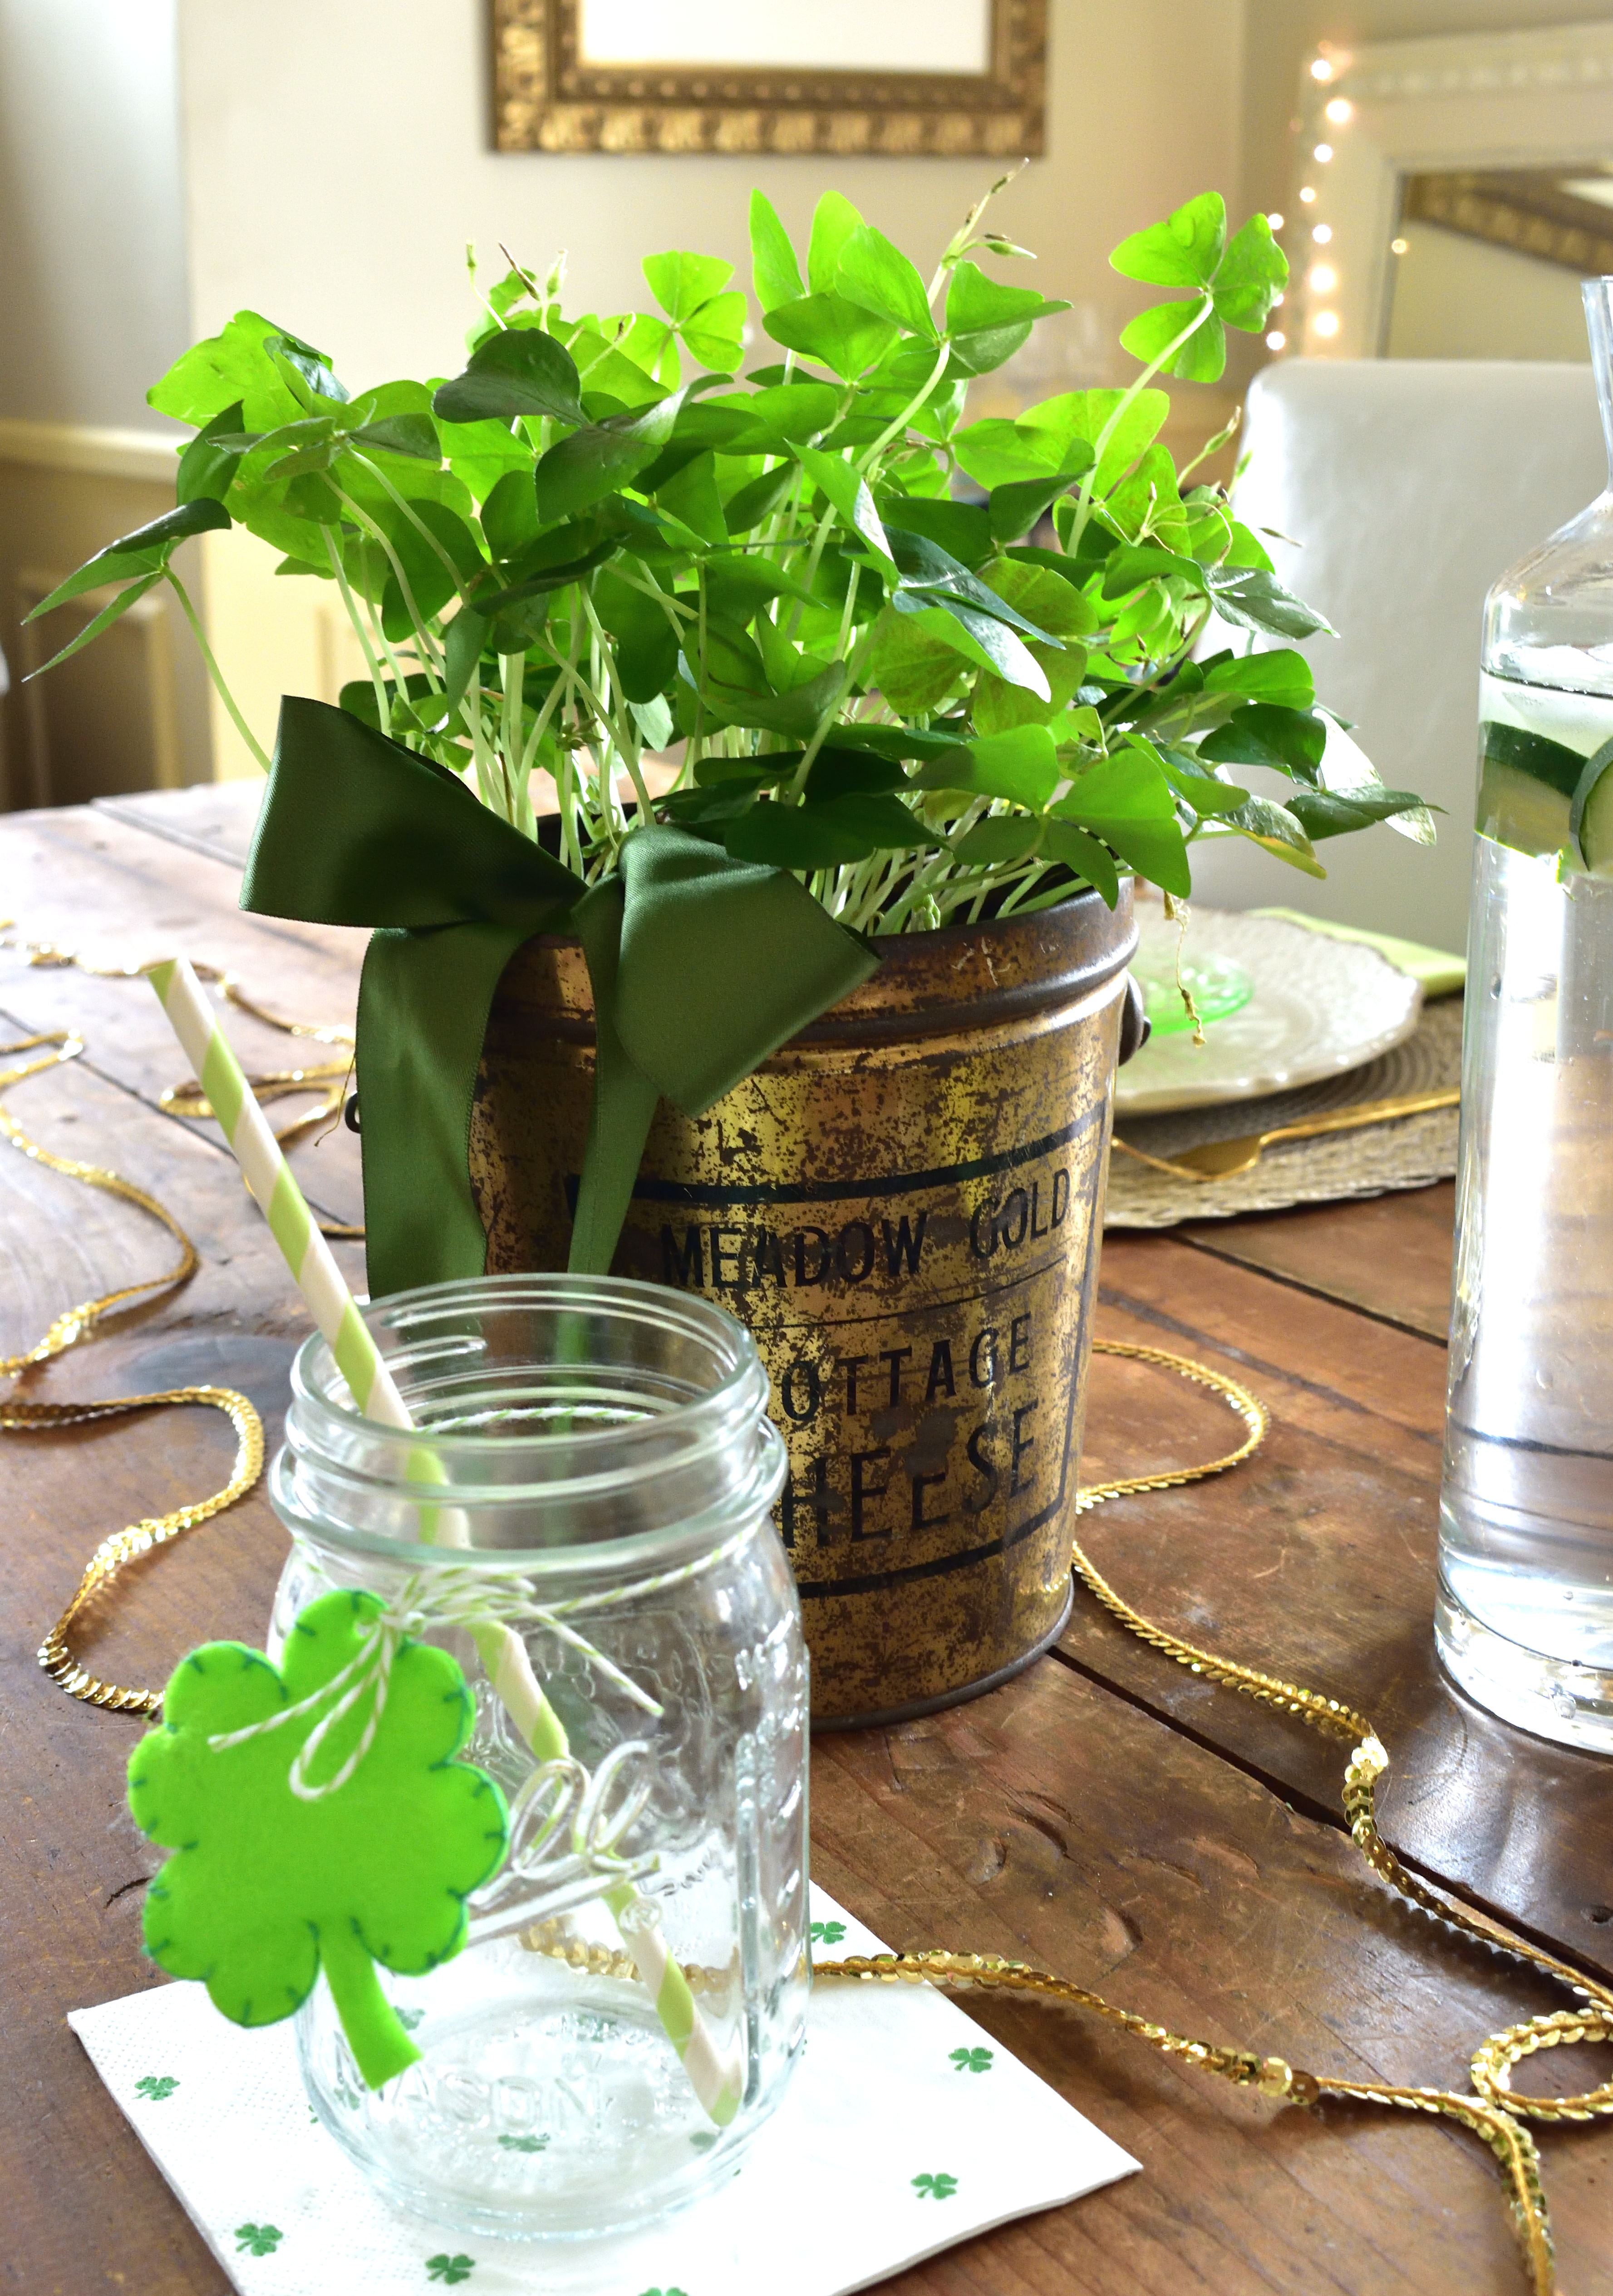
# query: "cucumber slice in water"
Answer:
x=1526 y=787
x=1591 y=813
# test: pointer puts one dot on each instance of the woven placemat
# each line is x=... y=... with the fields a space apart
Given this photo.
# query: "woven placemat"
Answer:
x=1409 y=1153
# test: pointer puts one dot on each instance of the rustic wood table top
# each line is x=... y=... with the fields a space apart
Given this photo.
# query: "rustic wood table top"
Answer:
x=1106 y=1815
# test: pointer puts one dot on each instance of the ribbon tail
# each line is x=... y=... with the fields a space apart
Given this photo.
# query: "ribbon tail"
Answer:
x=423 y=1003
x=624 y=1098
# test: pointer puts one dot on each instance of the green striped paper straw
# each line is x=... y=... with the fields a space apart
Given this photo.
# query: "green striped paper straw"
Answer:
x=313 y=1265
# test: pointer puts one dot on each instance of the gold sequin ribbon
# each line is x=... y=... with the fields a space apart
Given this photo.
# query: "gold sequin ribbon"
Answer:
x=327 y=1082
x=19 y=1415
x=1493 y=2111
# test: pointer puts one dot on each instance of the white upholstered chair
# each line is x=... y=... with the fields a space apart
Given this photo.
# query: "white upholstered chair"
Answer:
x=1408 y=486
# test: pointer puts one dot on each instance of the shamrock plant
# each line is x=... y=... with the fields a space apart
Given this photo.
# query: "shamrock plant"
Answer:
x=272 y=1876
x=818 y=617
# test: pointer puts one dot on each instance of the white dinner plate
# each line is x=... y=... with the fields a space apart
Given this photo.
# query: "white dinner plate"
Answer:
x=1316 y=1006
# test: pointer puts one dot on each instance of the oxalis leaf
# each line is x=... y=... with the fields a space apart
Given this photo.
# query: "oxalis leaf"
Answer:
x=601 y=457
x=1182 y=252
x=837 y=332
x=988 y=323
x=776 y=273
x=1333 y=813
x=1282 y=676
x=1254 y=599
x=848 y=490
x=144 y=552
x=888 y=824
x=979 y=638
x=834 y=219
x=104 y=621
x=1198 y=357
x=519 y=371
x=684 y=283
x=1126 y=801
x=930 y=571
x=1022 y=765
x=208 y=465
x=1252 y=273
x=1003 y=838
x=879 y=277
x=1277 y=832
x=1061 y=840
x=794 y=837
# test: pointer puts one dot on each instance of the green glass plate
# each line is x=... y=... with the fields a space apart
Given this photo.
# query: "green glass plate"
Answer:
x=1217 y=985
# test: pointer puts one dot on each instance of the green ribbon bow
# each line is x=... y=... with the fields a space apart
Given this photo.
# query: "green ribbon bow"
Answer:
x=702 y=967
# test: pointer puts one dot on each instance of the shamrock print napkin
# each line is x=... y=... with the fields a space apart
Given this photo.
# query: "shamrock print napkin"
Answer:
x=905 y=2129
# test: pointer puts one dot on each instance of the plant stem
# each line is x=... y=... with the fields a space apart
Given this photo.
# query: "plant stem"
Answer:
x=1083 y=501
x=382 y=705
x=692 y=751
x=415 y=520
x=430 y=659
x=894 y=430
x=626 y=741
x=215 y=673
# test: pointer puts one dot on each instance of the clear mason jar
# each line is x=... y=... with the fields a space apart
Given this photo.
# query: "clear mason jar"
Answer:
x=1524 y=1615
x=599 y=1451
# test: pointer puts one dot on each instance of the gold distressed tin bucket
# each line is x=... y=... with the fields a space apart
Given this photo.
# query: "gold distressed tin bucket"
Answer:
x=904 y=1205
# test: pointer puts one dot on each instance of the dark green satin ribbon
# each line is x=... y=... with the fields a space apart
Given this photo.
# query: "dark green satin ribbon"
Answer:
x=700 y=966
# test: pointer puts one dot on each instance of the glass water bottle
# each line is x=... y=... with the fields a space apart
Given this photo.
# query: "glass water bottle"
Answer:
x=1524 y=1610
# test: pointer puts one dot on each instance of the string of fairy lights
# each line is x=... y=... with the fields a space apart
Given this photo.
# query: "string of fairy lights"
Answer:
x=1326 y=121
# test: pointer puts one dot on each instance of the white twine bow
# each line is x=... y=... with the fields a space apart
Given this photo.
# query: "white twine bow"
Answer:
x=466 y=1599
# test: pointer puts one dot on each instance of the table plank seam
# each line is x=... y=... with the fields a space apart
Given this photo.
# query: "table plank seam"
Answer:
x=1146 y=1312
x=1311 y=1290
x=271 y=927
x=128 y=818
x=196 y=1130
x=1304 y=1805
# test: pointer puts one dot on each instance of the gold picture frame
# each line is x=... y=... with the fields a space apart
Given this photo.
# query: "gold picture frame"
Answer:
x=547 y=97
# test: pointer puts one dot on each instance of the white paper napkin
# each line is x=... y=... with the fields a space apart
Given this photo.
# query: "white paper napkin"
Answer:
x=905 y=2129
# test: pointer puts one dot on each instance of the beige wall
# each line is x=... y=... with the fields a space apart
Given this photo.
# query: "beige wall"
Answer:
x=339 y=200
x=337 y=168
x=92 y=239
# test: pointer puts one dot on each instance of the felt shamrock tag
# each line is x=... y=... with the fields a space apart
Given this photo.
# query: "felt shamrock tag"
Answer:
x=317 y=1818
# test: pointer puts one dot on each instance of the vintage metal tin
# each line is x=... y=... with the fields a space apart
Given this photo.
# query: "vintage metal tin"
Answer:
x=905 y=1204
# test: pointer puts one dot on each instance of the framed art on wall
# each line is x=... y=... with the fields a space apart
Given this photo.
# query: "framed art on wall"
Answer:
x=909 y=77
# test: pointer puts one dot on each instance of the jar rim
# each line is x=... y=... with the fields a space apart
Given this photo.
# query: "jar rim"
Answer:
x=403 y=1310
x=589 y=1472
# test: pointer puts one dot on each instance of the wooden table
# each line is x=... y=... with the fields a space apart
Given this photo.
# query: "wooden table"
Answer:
x=1106 y=1815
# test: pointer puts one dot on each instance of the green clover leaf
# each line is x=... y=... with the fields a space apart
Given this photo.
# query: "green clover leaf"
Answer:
x=265 y=1888
x=156 y=2089
x=258 y=2240
x=935 y=2189
x=827 y=1932
x=523 y=2143
x=972 y=2060
x=450 y=2268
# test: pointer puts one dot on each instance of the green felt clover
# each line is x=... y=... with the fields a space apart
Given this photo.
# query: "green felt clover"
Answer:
x=267 y=1885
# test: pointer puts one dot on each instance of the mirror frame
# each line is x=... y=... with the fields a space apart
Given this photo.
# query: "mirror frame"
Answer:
x=1421 y=107
x=544 y=99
